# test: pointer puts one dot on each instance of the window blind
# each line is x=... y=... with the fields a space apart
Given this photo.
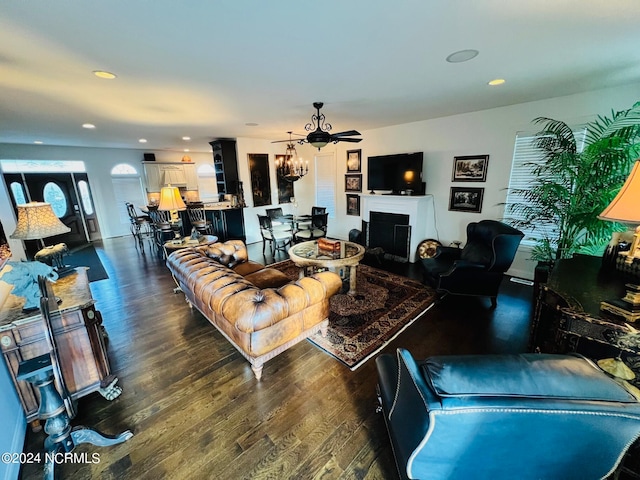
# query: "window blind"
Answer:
x=525 y=157
x=325 y=166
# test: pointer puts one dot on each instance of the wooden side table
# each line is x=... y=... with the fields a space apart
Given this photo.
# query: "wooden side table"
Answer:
x=78 y=331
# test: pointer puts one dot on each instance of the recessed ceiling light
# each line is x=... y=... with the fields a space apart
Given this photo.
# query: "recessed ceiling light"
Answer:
x=496 y=81
x=38 y=142
x=186 y=138
x=88 y=125
x=251 y=124
x=104 y=74
x=186 y=150
x=462 y=56
x=142 y=140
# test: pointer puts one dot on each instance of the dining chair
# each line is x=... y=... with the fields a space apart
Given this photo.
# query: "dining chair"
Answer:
x=278 y=238
x=317 y=229
x=278 y=220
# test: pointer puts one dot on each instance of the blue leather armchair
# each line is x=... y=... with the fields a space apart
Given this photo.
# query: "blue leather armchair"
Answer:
x=528 y=416
x=478 y=268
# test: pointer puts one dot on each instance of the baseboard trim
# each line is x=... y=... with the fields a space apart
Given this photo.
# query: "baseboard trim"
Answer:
x=11 y=471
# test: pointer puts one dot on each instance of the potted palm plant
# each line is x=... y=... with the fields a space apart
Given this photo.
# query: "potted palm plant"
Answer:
x=573 y=186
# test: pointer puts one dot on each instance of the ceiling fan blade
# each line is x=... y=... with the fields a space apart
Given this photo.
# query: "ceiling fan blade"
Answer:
x=348 y=133
x=352 y=140
x=282 y=141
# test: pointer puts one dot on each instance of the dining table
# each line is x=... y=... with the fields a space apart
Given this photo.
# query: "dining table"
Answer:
x=296 y=221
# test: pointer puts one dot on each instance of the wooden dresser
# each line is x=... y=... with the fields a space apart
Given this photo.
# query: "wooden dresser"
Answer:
x=79 y=334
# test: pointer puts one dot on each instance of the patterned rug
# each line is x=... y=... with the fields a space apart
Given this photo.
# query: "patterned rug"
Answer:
x=361 y=325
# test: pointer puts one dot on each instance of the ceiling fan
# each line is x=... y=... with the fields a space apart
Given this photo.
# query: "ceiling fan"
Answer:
x=319 y=129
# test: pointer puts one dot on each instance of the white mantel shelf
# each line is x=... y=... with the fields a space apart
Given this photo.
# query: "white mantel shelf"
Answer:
x=419 y=208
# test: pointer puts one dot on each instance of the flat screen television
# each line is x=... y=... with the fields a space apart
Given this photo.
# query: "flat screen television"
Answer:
x=395 y=173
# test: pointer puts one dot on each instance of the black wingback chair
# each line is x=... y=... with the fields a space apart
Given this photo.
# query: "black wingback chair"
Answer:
x=478 y=268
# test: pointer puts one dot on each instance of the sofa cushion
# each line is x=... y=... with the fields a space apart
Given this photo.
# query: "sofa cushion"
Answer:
x=525 y=375
x=245 y=268
x=229 y=253
x=267 y=278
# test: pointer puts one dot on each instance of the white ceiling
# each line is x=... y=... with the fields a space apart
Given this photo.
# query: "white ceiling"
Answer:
x=205 y=68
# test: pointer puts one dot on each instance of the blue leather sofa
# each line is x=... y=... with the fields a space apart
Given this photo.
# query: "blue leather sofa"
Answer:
x=528 y=416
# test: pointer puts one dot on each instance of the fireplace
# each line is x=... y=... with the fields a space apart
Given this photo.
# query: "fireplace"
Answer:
x=389 y=231
x=419 y=209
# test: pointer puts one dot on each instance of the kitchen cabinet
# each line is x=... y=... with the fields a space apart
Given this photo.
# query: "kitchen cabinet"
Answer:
x=225 y=163
x=162 y=174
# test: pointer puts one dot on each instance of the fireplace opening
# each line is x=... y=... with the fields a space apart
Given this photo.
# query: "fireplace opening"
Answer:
x=389 y=231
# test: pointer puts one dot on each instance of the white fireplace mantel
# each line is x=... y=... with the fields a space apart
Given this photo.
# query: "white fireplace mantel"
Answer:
x=419 y=209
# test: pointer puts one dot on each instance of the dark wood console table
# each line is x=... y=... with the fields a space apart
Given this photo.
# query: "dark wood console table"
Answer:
x=79 y=334
x=567 y=318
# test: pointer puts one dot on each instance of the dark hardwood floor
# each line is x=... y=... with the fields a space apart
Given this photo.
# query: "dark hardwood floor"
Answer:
x=197 y=411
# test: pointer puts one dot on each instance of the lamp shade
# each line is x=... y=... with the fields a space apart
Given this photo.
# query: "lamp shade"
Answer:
x=409 y=176
x=170 y=199
x=625 y=207
x=36 y=221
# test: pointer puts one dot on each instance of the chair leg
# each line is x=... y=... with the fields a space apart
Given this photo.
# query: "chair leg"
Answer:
x=494 y=302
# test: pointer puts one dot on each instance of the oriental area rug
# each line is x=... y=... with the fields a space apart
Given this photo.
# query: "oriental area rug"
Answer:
x=361 y=325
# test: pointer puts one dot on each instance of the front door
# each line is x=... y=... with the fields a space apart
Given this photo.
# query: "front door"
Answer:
x=59 y=189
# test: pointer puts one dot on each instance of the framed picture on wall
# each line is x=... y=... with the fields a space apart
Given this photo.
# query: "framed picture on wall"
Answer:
x=260 y=181
x=354 y=160
x=353 y=182
x=285 y=188
x=464 y=199
x=353 y=204
x=471 y=168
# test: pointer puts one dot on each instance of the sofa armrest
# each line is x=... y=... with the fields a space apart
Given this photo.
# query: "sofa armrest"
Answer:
x=252 y=310
x=407 y=416
x=229 y=253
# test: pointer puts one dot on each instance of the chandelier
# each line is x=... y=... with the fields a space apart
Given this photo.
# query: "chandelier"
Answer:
x=290 y=167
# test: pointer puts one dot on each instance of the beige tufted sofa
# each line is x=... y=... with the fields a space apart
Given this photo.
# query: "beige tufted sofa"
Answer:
x=259 y=310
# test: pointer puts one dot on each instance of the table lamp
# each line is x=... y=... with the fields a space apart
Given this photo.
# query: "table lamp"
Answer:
x=37 y=221
x=409 y=177
x=624 y=209
x=171 y=200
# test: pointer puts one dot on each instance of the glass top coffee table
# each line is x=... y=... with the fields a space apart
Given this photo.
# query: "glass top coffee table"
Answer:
x=307 y=256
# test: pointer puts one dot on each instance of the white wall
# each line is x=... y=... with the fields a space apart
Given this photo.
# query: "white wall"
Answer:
x=485 y=132
x=13 y=429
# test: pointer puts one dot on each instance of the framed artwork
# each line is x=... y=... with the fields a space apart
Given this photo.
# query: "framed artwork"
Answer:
x=353 y=182
x=353 y=204
x=471 y=168
x=285 y=188
x=260 y=181
x=464 y=199
x=354 y=160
